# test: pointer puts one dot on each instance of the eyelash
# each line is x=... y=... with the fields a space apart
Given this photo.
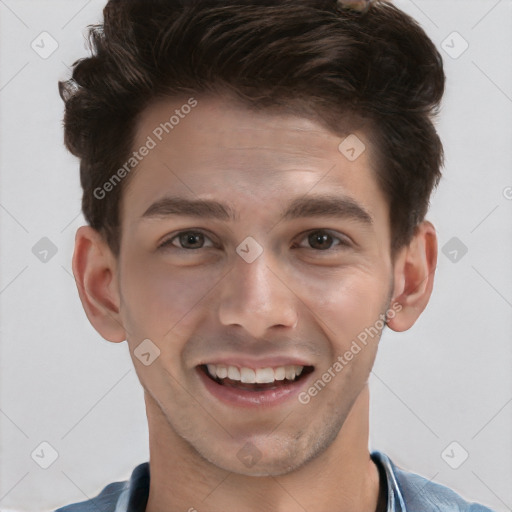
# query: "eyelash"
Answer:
x=343 y=242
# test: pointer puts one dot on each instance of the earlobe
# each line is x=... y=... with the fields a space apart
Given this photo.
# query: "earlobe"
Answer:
x=414 y=277
x=94 y=268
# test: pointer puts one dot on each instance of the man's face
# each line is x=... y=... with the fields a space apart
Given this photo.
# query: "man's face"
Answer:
x=256 y=291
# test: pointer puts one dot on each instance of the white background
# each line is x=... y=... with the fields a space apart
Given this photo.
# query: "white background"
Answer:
x=447 y=379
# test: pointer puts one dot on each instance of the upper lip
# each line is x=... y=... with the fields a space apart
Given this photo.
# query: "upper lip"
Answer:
x=251 y=362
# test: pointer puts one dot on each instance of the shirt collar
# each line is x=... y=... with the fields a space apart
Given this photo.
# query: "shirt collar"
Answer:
x=395 y=499
x=134 y=496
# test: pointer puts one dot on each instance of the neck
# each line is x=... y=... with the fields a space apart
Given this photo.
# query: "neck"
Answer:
x=342 y=478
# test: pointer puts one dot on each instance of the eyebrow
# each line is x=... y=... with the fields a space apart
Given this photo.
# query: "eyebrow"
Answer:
x=301 y=207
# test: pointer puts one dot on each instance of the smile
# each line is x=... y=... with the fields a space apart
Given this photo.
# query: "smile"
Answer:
x=253 y=386
x=254 y=376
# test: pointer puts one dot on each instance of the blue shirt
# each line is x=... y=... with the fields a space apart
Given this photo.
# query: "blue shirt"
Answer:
x=406 y=492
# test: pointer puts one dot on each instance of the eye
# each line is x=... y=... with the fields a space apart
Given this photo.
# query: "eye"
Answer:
x=187 y=240
x=322 y=240
x=319 y=240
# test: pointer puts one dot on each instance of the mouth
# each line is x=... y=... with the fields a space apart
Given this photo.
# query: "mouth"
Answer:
x=253 y=386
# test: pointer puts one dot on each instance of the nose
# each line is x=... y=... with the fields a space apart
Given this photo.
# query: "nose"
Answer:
x=257 y=297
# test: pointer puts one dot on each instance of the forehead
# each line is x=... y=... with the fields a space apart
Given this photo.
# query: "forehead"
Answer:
x=220 y=148
x=222 y=127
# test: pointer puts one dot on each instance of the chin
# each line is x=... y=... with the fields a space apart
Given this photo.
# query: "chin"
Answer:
x=273 y=459
x=274 y=467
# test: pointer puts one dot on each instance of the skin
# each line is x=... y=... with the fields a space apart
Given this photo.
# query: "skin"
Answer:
x=295 y=299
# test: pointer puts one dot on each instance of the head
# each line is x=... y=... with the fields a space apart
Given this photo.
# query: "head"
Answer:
x=262 y=106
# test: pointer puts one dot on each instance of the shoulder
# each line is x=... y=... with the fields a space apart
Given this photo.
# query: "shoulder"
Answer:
x=418 y=490
x=106 y=501
x=116 y=495
x=418 y=493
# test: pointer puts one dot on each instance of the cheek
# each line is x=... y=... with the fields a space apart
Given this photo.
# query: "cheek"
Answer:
x=346 y=302
x=159 y=299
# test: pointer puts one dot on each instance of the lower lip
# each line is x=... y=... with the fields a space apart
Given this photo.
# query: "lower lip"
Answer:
x=246 y=398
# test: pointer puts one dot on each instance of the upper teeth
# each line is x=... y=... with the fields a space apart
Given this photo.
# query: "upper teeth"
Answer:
x=252 y=376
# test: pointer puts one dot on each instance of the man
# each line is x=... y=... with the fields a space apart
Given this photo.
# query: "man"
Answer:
x=256 y=177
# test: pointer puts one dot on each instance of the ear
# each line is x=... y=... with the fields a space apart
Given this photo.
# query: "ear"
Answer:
x=94 y=268
x=414 y=270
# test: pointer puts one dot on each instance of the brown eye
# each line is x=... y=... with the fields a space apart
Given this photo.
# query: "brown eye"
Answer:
x=322 y=240
x=186 y=240
x=191 y=239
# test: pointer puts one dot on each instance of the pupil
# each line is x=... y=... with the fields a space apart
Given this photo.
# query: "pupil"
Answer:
x=321 y=238
x=191 y=238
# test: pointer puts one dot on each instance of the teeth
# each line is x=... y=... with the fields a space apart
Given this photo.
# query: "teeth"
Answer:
x=233 y=372
x=280 y=373
x=289 y=372
x=222 y=371
x=253 y=376
x=247 y=375
x=264 y=375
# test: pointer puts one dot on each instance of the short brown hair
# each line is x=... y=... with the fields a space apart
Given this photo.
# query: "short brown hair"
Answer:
x=309 y=57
